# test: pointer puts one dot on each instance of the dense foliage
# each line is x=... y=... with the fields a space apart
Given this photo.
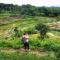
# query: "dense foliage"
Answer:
x=42 y=28
x=29 y=10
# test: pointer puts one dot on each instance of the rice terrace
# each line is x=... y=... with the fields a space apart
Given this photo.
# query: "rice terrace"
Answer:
x=42 y=25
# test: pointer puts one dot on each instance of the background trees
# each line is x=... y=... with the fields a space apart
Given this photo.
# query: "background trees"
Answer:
x=29 y=10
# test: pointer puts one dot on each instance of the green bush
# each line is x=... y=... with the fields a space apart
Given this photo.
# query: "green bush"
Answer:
x=58 y=54
x=12 y=42
x=43 y=29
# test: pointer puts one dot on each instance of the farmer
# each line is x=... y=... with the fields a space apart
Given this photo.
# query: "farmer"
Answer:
x=25 y=40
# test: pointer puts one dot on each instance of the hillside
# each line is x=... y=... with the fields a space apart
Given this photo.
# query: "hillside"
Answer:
x=16 y=20
x=24 y=23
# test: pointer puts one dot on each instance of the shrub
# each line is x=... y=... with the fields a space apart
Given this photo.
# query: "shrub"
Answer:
x=42 y=28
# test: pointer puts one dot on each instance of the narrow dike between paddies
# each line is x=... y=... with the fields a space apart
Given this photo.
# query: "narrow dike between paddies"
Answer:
x=34 y=52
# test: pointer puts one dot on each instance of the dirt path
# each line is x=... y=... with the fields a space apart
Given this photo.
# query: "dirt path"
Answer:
x=35 y=52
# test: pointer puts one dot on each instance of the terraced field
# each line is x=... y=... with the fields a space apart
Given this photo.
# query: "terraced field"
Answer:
x=10 y=45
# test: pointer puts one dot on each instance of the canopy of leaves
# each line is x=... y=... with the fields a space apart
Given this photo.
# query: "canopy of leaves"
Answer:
x=29 y=10
x=43 y=29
